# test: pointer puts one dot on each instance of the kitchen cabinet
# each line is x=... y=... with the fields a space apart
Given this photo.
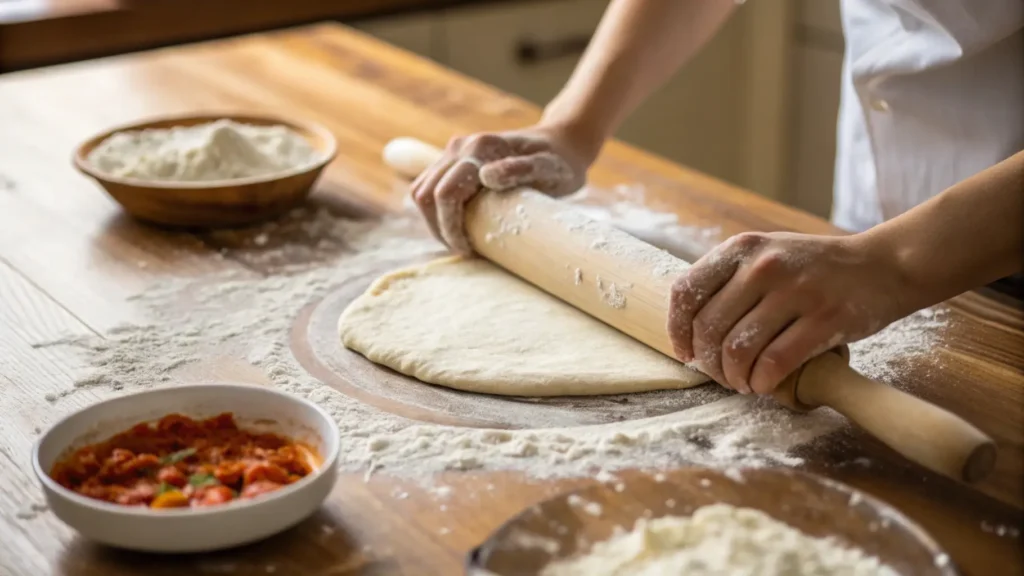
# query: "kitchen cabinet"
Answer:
x=818 y=57
x=418 y=32
x=814 y=130
x=531 y=48
x=700 y=118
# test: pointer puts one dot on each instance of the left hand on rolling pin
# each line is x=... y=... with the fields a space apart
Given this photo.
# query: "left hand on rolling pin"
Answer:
x=547 y=158
x=758 y=306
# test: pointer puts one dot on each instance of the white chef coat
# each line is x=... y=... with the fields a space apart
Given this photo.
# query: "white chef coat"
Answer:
x=932 y=93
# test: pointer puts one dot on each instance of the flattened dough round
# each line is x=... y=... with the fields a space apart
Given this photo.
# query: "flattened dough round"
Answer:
x=466 y=324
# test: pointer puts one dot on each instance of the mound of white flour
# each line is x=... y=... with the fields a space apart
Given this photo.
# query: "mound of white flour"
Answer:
x=718 y=540
x=221 y=150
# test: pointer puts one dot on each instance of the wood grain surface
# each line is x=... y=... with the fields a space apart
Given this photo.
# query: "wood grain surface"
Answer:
x=69 y=260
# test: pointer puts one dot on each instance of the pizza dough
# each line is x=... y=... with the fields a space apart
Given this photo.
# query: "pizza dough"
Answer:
x=466 y=324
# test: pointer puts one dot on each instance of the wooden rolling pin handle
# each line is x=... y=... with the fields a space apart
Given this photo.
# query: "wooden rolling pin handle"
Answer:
x=920 y=431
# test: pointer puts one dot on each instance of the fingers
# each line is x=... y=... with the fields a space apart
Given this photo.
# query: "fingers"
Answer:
x=804 y=339
x=423 y=192
x=545 y=171
x=715 y=320
x=442 y=190
x=695 y=288
x=460 y=183
x=751 y=335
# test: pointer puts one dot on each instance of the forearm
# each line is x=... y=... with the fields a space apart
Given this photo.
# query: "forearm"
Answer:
x=967 y=236
x=637 y=47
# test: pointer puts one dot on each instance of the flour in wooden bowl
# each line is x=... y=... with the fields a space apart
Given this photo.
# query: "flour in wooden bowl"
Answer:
x=219 y=150
x=715 y=541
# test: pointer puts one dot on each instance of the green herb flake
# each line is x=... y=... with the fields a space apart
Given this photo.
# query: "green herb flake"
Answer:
x=164 y=487
x=175 y=457
x=201 y=479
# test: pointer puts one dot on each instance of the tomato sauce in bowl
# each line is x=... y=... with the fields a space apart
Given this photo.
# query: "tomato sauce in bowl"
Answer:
x=180 y=462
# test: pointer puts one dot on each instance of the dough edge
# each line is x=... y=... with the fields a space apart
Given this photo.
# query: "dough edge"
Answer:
x=353 y=337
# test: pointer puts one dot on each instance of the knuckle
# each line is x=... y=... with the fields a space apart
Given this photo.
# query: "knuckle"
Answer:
x=423 y=198
x=776 y=364
x=481 y=141
x=455 y=142
x=747 y=240
x=684 y=296
x=447 y=194
x=768 y=264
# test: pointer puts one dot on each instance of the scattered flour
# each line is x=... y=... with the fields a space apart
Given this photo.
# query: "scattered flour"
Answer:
x=220 y=150
x=884 y=356
x=247 y=314
x=716 y=540
x=629 y=213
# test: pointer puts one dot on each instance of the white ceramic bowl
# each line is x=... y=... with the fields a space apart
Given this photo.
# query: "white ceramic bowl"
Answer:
x=191 y=530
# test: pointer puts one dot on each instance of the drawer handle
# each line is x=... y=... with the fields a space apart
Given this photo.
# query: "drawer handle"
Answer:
x=530 y=52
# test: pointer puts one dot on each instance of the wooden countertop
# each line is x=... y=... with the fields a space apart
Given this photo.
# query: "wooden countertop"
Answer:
x=68 y=261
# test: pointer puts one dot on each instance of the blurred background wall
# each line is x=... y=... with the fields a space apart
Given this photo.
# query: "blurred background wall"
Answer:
x=757 y=107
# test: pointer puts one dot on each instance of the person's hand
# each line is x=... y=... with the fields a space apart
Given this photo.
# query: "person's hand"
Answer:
x=547 y=158
x=758 y=306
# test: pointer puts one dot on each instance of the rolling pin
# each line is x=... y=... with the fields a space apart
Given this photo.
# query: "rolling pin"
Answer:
x=625 y=283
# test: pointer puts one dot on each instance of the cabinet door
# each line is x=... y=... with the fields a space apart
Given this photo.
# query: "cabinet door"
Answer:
x=696 y=118
x=817 y=107
x=531 y=48
x=525 y=48
x=415 y=33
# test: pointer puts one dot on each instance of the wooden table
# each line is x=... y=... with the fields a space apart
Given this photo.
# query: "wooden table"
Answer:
x=68 y=261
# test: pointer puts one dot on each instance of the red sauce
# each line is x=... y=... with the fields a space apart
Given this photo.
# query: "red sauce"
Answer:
x=180 y=462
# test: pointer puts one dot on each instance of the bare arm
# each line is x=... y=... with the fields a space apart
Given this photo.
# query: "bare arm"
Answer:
x=760 y=305
x=970 y=235
x=637 y=47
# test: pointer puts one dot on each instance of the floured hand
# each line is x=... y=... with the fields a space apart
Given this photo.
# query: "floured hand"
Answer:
x=542 y=157
x=758 y=306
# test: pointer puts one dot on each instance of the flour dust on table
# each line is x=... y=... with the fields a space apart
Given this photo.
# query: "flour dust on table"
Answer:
x=246 y=317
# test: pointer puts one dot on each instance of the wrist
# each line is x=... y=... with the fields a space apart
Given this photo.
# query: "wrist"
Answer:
x=582 y=133
x=896 y=260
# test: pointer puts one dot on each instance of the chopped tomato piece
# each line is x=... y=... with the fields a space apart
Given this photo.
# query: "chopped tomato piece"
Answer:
x=258 y=472
x=259 y=488
x=173 y=476
x=139 y=495
x=230 y=472
x=214 y=495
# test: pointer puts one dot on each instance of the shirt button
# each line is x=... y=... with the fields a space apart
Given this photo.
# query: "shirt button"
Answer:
x=880 y=105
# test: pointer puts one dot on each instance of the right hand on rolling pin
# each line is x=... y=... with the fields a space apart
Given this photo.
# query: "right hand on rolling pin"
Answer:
x=547 y=158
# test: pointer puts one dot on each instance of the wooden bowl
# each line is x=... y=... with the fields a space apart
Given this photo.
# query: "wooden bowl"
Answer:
x=215 y=203
x=569 y=524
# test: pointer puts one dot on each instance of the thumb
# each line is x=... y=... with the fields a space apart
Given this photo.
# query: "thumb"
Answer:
x=545 y=171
